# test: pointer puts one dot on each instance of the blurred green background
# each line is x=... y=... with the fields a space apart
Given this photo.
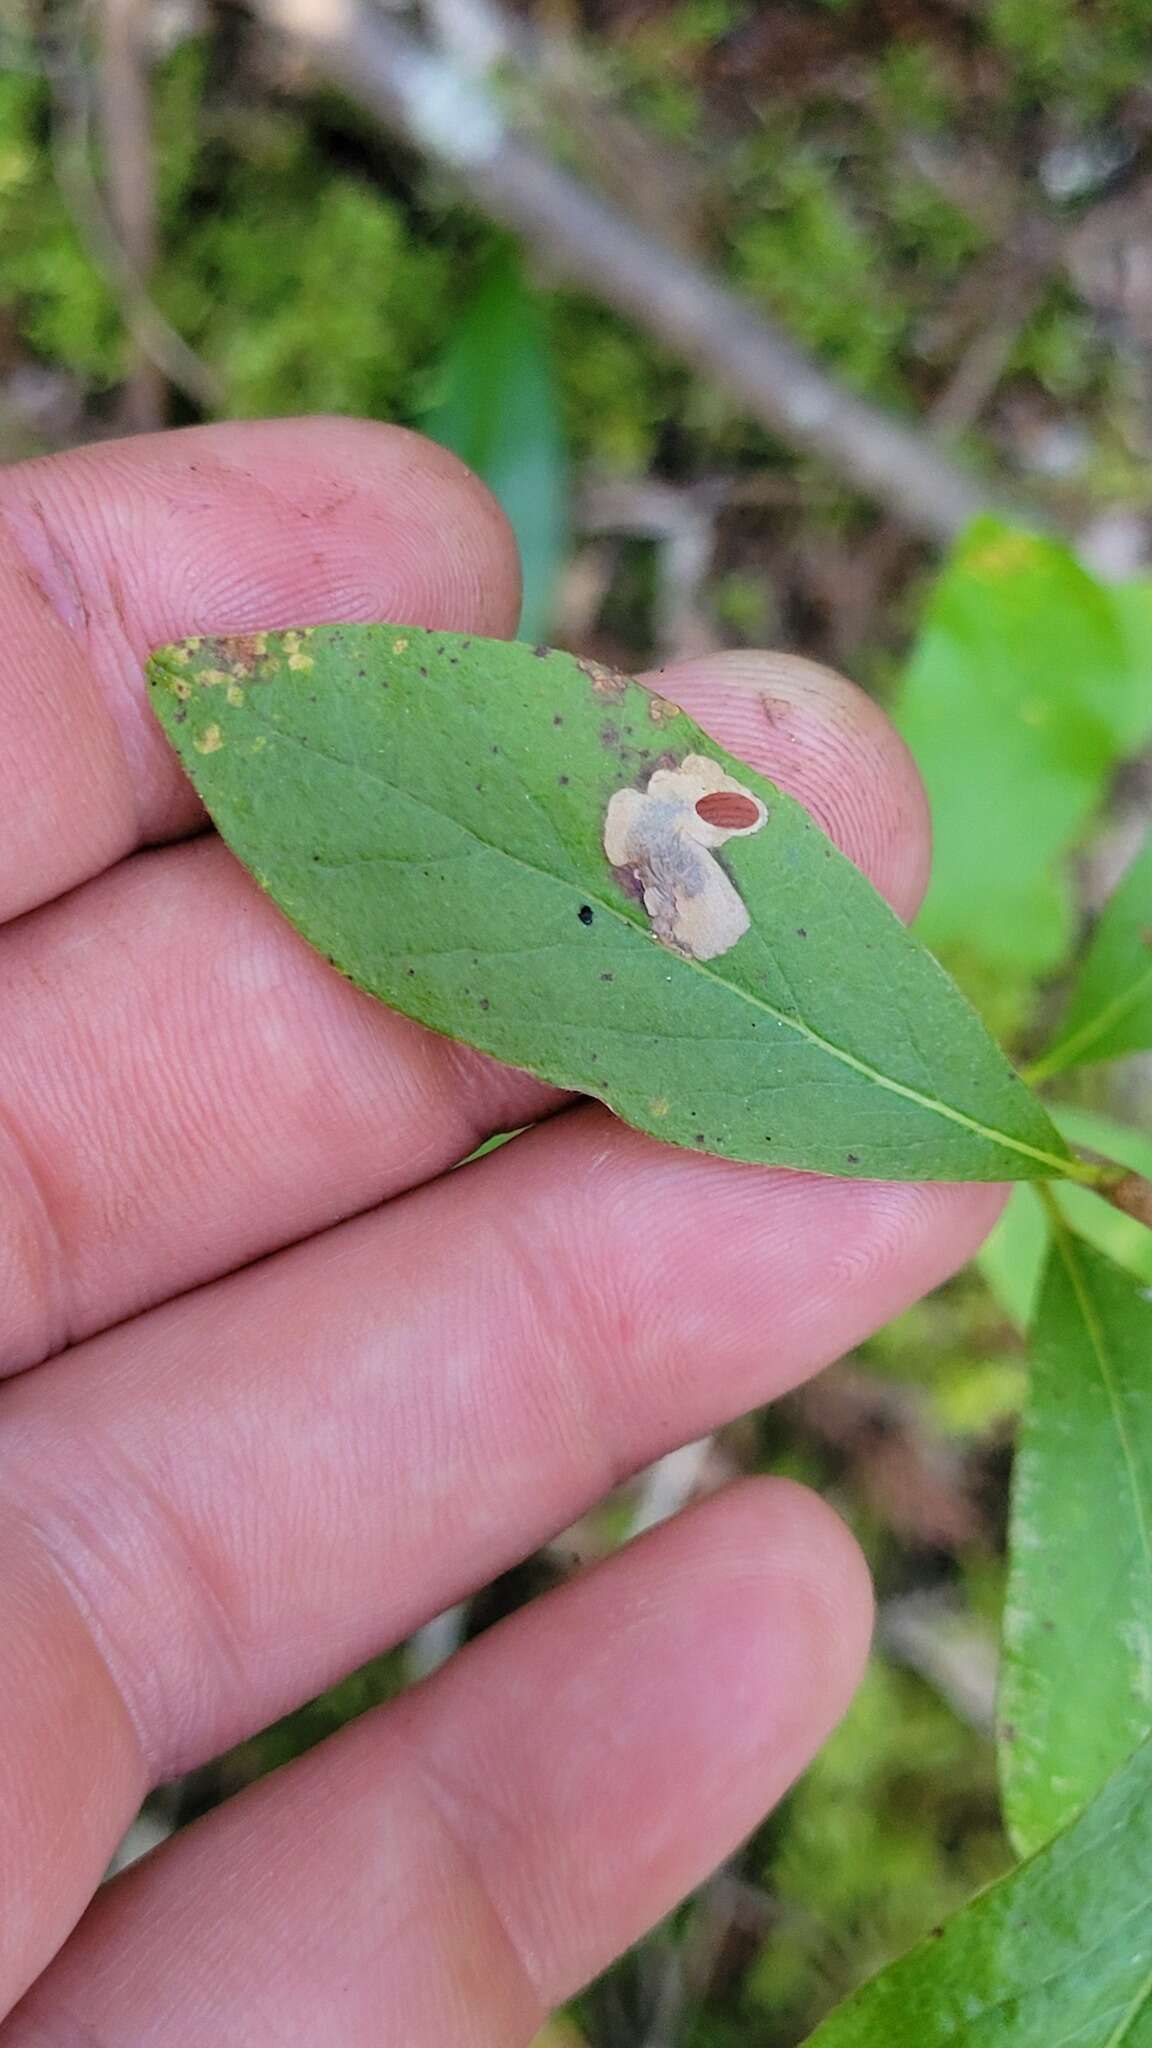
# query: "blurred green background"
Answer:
x=949 y=203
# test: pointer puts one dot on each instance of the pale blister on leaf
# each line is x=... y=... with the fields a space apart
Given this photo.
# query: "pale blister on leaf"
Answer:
x=1057 y=1953
x=430 y=811
x=1076 y=1691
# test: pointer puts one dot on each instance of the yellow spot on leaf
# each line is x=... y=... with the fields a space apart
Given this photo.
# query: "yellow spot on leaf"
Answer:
x=299 y=661
x=258 y=744
x=607 y=682
x=235 y=694
x=1004 y=555
x=209 y=741
x=181 y=654
x=659 y=1106
x=660 y=710
x=180 y=687
x=212 y=676
x=399 y=647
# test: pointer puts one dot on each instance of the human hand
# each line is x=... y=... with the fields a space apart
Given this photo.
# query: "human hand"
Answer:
x=262 y=1473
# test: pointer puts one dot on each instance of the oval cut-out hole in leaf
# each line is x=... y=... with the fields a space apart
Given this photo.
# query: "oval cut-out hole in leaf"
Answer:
x=432 y=812
x=729 y=810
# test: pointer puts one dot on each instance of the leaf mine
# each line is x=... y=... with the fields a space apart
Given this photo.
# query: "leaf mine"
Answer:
x=666 y=837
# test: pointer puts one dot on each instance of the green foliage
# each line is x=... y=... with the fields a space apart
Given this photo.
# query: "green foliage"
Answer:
x=497 y=407
x=1013 y=1258
x=1027 y=687
x=343 y=328
x=1089 y=54
x=1057 y=1952
x=66 y=307
x=891 y=1829
x=1110 y=1012
x=1077 y=1687
x=788 y=1017
x=805 y=234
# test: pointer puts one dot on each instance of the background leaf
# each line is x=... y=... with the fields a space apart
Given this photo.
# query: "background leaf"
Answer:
x=1012 y=1260
x=1076 y=1691
x=1059 y=1952
x=1110 y=1012
x=429 y=811
x=498 y=409
x=1030 y=682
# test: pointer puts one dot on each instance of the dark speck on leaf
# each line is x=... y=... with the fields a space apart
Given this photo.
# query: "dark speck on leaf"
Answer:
x=699 y=1138
x=423 y=671
x=853 y=1158
x=585 y=913
x=541 y=652
x=562 y=780
x=485 y=1004
x=361 y=671
x=439 y=650
x=607 y=977
x=495 y=749
x=558 y=720
x=610 y=735
x=800 y=932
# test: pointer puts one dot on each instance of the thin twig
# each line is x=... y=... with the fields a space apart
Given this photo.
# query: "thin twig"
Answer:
x=129 y=177
x=72 y=140
x=422 y=95
x=669 y=1484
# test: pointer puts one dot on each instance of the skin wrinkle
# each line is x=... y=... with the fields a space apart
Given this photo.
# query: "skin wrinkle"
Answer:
x=47 y=565
x=41 y=1275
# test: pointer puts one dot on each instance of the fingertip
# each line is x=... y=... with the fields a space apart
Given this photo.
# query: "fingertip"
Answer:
x=241 y=526
x=807 y=1599
x=824 y=741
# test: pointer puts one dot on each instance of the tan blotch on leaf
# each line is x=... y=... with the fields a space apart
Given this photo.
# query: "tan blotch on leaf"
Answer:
x=667 y=836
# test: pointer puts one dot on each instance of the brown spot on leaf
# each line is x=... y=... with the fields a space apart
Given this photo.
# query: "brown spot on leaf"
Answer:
x=241 y=651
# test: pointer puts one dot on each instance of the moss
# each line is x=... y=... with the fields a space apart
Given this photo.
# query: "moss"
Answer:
x=1087 y=55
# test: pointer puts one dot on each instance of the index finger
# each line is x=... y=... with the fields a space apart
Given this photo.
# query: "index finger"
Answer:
x=109 y=551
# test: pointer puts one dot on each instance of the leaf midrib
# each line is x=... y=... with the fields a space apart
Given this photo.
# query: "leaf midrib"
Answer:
x=847 y=1059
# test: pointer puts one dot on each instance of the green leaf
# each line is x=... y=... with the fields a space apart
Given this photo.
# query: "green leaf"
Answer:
x=430 y=811
x=1012 y=1260
x=1056 y=1955
x=1076 y=1692
x=1029 y=683
x=499 y=410
x=1110 y=1012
